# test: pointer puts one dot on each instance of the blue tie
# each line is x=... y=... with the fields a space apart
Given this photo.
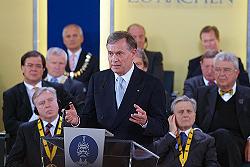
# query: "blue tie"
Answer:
x=54 y=80
x=183 y=139
x=119 y=90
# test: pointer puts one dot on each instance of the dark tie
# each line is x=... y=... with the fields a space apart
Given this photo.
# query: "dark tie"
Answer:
x=222 y=92
x=47 y=130
x=183 y=139
x=210 y=83
x=54 y=80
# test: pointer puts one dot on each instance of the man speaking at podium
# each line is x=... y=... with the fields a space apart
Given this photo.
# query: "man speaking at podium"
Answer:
x=26 y=150
x=125 y=100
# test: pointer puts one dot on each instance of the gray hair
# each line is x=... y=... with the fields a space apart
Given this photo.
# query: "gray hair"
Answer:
x=141 y=54
x=118 y=35
x=72 y=25
x=183 y=98
x=56 y=51
x=41 y=90
x=227 y=56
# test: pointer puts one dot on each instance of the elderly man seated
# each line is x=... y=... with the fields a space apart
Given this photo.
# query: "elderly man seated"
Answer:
x=184 y=146
x=26 y=150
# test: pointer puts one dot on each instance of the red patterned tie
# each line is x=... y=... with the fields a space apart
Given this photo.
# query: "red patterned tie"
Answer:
x=47 y=131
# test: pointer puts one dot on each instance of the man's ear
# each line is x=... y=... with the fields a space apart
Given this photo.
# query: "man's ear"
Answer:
x=145 y=43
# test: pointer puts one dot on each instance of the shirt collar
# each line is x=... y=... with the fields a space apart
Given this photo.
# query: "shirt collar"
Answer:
x=128 y=75
x=234 y=89
x=206 y=81
x=186 y=131
x=53 y=122
x=30 y=87
x=77 y=53
x=49 y=77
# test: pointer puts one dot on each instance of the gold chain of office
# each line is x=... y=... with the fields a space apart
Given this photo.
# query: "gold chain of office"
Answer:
x=78 y=73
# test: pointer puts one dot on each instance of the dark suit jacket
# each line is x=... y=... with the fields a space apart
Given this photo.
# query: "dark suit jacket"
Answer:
x=93 y=67
x=206 y=98
x=194 y=69
x=17 y=108
x=202 y=151
x=155 y=65
x=26 y=150
x=143 y=90
x=191 y=85
x=76 y=88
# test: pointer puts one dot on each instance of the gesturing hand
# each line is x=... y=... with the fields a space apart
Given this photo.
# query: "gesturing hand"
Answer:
x=140 y=117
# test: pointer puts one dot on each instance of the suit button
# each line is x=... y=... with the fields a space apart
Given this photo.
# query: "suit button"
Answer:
x=101 y=117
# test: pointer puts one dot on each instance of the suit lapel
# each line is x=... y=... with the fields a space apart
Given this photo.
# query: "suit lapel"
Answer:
x=201 y=81
x=133 y=90
x=25 y=98
x=80 y=61
x=239 y=101
x=36 y=135
x=195 y=142
x=107 y=93
x=210 y=108
x=212 y=96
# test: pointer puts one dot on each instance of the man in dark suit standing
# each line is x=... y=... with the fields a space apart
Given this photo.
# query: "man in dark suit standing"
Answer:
x=124 y=99
x=223 y=112
x=155 y=65
x=184 y=146
x=17 y=105
x=56 y=60
x=210 y=38
x=207 y=77
x=81 y=65
x=26 y=151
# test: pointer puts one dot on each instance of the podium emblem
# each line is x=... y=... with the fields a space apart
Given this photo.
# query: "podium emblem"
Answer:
x=83 y=150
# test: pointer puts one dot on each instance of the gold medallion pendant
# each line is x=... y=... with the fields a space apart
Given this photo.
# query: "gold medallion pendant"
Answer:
x=51 y=165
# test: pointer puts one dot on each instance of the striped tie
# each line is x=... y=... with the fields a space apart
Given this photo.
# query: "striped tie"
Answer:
x=47 y=131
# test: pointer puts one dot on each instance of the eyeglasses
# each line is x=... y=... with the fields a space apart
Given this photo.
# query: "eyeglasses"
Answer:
x=224 y=70
x=30 y=66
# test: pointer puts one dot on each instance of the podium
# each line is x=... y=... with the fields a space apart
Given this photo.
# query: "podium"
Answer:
x=122 y=153
x=127 y=153
x=3 y=137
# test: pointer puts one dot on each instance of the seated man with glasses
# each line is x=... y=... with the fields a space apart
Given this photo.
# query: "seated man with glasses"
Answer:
x=17 y=104
x=224 y=112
